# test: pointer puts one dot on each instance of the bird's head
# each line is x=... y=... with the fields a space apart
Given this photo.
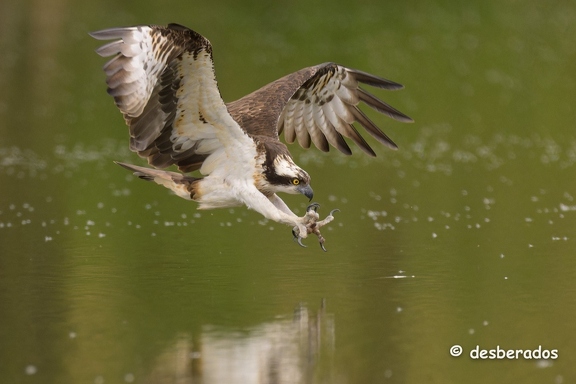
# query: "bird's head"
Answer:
x=283 y=175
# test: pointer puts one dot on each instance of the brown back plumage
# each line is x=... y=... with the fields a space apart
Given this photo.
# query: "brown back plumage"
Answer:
x=258 y=112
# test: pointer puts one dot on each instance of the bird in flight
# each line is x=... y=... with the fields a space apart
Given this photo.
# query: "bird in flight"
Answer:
x=162 y=80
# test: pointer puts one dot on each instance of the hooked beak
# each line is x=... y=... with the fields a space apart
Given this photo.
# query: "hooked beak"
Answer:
x=307 y=191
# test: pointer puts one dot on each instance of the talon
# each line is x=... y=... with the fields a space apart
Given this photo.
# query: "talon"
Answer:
x=321 y=240
x=297 y=238
x=294 y=235
x=313 y=206
x=333 y=211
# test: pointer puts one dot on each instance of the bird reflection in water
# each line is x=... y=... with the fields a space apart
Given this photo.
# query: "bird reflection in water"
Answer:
x=285 y=350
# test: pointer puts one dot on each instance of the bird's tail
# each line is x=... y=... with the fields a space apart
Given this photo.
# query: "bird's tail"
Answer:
x=181 y=185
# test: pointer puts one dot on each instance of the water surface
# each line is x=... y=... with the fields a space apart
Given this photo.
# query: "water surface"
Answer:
x=464 y=236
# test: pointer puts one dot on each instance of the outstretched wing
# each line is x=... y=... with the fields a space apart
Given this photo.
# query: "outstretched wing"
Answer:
x=317 y=104
x=163 y=81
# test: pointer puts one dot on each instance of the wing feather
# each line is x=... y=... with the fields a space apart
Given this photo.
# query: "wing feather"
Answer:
x=288 y=121
x=298 y=123
x=373 y=129
x=316 y=134
x=374 y=81
x=162 y=80
x=382 y=107
x=328 y=131
x=302 y=134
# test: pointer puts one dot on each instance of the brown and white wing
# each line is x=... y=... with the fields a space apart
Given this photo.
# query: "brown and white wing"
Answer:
x=163 y=82
x=320 y=105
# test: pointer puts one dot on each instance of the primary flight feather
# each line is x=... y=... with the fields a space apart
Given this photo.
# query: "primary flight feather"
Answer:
x=163 y=81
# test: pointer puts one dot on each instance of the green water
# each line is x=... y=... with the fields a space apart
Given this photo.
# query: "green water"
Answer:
x=464 y=236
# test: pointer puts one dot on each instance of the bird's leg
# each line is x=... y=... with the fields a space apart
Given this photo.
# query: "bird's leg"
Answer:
x=313 y=225
x=302 y=230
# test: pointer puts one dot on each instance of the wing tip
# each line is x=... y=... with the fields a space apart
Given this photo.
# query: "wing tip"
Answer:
x=141 y=172
x=345 y=150
x=392 y=145
x=98 y=35
x=373 y=80
x=401 y=118
x=127 y=166
x=112 y=33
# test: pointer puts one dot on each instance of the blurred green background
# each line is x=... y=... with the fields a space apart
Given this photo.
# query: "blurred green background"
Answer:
x=464 y=236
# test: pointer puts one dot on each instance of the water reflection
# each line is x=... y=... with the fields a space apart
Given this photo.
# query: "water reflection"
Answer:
x=286 y=350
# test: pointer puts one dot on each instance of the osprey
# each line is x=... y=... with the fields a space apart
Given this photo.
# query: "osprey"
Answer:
x=162 y=80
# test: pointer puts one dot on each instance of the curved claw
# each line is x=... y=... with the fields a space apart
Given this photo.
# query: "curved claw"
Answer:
x=333 y=211
x=323 y=248
x=298 y=239
x=313 y=206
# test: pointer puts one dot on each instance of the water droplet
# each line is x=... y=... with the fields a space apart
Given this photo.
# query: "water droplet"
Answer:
x=31 y=369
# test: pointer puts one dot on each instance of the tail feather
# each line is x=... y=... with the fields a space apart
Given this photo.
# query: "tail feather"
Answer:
x=182 y=185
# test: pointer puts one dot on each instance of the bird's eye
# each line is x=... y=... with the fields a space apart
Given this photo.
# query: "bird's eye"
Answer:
x=295 y=181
